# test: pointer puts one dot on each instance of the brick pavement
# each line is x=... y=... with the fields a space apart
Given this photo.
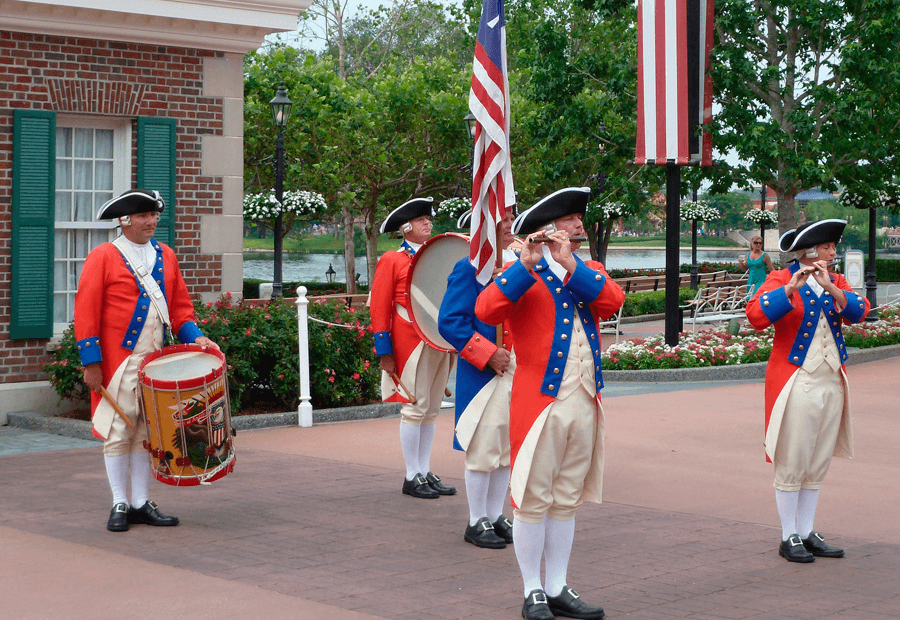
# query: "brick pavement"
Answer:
x=312 y=525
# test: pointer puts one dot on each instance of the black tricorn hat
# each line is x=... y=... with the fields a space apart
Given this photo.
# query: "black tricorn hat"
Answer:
x=132 y=201
x=558 y=204
x=410 y=210
x=811 y=234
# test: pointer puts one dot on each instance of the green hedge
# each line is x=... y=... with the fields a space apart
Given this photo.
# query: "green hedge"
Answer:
x=251 y=288
x=652 y=302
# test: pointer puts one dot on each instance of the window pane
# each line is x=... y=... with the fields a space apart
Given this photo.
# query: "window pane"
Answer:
x=63 y=174
x=60 y=247
x=78 y=266
x=59 y=308
x=59 y=275
x=81 y=243
x=100 y=199
x=83 y=207
x=63 y=142
x=84 y=143
x=104 y=144
x=63 y=207
x=103 y=175
x=72 y=270
x=83 y=173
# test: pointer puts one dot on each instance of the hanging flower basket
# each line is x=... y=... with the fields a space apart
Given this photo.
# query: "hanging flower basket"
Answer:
x=700 y=211
x=265 y=207
x=863 y=198
x=452 y=208
x=759 y=217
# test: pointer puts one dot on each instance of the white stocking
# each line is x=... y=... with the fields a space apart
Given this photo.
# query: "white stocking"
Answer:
x=140 y=478
x=557 y=549
x=426 y=437
x=477 y=483
x=529 y=545
x=787 y=511
x=117 y=473
x=409 y=443
x=806 y=511
x=496 y=495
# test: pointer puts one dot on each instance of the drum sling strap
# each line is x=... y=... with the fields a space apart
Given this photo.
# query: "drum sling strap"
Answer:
x=146 y=278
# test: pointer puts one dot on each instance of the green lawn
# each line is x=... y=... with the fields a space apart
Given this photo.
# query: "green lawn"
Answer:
x=660 y=241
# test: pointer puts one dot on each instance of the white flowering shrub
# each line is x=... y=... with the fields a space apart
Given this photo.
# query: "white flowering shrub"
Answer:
x=613 y=210
x=300 y=203
x=760 y=217
x=452 y=208
x=700 y=211
x=864 y=198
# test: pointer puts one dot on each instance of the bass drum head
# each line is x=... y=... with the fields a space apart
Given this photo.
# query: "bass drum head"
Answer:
x=427 y=284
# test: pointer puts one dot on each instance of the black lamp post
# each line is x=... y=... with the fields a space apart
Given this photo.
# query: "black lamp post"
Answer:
x=470 y=122
x=695 y=280
x=329 y=275
x=871 y=279
x=281 y=111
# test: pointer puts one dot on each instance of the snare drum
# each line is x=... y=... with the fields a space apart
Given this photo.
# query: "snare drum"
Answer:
x=184 y=399
x=426 y=282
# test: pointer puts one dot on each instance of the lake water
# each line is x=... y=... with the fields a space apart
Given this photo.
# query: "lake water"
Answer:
x=312 y=267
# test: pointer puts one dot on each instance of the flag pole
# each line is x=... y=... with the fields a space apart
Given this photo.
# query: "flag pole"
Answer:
x=499 y=263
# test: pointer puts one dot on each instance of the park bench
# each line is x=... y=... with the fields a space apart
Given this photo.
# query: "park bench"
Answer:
x=611 y=325
x=657 y=282
x=717 y=302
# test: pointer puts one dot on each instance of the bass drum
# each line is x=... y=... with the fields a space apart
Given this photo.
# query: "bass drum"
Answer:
x=426 y=284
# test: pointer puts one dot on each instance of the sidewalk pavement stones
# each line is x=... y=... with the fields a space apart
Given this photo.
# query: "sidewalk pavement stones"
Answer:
x=312 y=524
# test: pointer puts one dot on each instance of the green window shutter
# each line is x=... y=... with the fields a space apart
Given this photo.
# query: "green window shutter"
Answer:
x=156 y=168
x=33 y=200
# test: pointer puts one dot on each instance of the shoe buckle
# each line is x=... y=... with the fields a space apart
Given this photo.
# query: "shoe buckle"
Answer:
x=435 y=478
x=120 y=507
x=795 y=541
x=419 y=479
x=538 y=598
x=572 y=593
x=486 y=525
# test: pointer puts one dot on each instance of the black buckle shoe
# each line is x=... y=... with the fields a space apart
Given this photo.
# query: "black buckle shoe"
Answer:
x=793 y=550
x=570 y=605
x=535 y=606
x=149 y=514
x=816 y=545
x=504 y=529
x=118 y=518
x=435 y=483
x=419 y=487
x=482 y=535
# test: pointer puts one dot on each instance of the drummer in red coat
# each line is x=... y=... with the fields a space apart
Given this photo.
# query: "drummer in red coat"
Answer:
x=807 y=394
x=118 y=322
x=552 y=301
x=406 y=361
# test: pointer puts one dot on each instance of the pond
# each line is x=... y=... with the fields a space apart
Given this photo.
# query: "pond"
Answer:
x=312 y=267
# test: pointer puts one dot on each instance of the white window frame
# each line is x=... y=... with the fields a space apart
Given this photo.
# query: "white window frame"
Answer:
x=121 y=181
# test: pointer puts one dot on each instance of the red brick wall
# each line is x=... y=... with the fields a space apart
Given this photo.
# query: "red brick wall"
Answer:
x=72 y=75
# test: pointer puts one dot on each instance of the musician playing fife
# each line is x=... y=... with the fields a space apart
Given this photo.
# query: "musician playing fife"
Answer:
x=116 y=326
x=807 y=393
x=406 y=361
x=552 y=301
x=483 y=384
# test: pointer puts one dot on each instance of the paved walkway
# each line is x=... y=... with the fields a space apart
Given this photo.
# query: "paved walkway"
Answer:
x=312 y=525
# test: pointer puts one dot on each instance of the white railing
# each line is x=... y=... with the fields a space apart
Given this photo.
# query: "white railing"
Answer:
x=304 y=409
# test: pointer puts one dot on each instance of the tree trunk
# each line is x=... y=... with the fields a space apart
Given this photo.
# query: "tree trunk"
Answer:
x=349 y=253
x=371 y=245
x=592 y=232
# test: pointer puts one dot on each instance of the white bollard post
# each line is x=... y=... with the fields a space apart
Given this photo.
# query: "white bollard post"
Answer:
x=304 y=410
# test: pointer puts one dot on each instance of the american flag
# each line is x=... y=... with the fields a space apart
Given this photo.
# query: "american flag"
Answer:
x=492 y=184
x=674 y=91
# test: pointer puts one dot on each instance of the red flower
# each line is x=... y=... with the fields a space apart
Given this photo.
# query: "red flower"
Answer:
x=356 y=376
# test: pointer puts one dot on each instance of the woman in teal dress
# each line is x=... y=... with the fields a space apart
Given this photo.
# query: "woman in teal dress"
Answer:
x=758 y=265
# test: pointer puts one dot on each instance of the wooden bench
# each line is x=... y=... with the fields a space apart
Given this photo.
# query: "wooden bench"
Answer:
x=716 y=303
x=657 y=282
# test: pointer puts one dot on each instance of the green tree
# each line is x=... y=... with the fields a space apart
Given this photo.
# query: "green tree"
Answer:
x=799 y=83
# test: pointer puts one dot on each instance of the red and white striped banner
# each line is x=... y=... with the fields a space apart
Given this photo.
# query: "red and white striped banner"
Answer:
x=674 y=91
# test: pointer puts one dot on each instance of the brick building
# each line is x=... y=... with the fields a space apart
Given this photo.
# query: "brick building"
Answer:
x=97 y=97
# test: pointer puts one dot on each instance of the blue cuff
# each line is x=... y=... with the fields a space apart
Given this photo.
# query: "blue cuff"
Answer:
x=775 y=304
x=855 y=310
x=586 y=282
x=515 y=281
x=383 y=344
x=188 y=333
x=89 y=350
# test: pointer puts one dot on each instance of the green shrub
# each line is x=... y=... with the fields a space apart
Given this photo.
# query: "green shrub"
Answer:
x=64 y=372
x=260 y=346
x=652 y=302
x=289 y=289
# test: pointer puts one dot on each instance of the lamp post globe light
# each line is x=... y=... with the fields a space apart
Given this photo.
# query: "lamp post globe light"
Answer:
x=470 y=122
x=281 y=112
x=329 y=275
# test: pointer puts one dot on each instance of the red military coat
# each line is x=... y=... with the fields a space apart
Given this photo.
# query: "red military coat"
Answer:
x=539 y=309
x=111 y=307
x=795 y=321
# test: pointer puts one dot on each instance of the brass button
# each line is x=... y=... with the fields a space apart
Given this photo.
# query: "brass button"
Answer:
x=551 y=386
x=129 y=343
x=806 y=335
x=549 y=278
x=598 y=277
x=502 y=280
x=801 y=347
x=566 y=321
x=559 y=354
x=139 y=319
x=143 y=307
x=809 y=324
x=477 y=338
x=581 y=304
x=558 y=291
x=133 y=331
x=765 y=303
x=556 y=371
x=812 y=302
x=565 y=337
x=565 y=306
x=796 y=358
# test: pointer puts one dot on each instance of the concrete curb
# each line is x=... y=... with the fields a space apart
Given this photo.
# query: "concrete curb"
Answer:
x=80 y=429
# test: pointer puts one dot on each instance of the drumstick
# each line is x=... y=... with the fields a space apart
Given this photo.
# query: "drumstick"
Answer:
x=115 y=405
x=409 y=396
